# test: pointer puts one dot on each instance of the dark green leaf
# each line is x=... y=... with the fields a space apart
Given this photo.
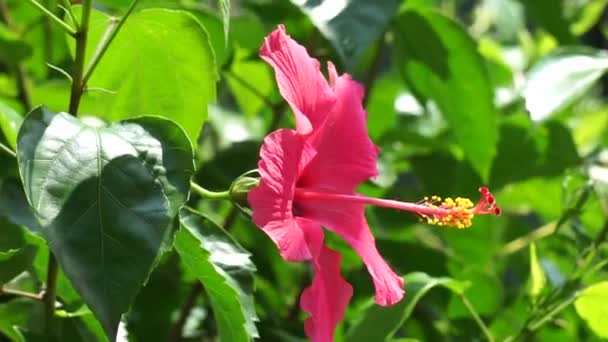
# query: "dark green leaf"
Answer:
x=105 y=197
x=562 y=77
x=351 y=26
x=224 y=269
x=380 y=323
x=161 y=63
x=441 y=63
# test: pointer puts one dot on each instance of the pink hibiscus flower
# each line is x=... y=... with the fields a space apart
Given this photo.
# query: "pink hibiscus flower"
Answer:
x=308 y=180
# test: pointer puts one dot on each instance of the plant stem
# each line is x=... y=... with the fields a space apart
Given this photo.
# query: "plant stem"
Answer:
x=81 y=46
x=48 y=32
x=175 y=334
x=478 y=319
x=18 y=293
x=55 y=18
x=105 y=43
x=23 y=90
x=50 y=294
x=207 y=194
x=7 y=150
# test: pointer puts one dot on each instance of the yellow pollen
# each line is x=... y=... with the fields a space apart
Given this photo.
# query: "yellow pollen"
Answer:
x=450 y=213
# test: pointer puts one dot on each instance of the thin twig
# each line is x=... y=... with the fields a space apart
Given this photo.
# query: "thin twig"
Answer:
x=175 y=334
x=53 y=17
x=18 y=293
x=7 y=150
x=107 y=39
x=478 y=319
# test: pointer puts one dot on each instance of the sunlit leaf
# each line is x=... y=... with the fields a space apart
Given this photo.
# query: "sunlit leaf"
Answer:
x=161 y=63
x=562 y=77
x=591 y=306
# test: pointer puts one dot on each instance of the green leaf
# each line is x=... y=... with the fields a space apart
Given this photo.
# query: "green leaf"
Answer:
x=160 y=63
x=562 y=77
x=350 y=26
x=105 y=197
x=10 y=121
x=591 y=306
x=537 y=280
x=380 y=323
x=224 y=269
x=441 y=63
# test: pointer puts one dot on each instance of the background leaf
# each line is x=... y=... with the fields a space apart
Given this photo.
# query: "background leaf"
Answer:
x=448 y=70
x=562 y=77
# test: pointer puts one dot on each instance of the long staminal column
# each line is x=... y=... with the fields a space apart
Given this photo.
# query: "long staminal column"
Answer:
x=450 y=212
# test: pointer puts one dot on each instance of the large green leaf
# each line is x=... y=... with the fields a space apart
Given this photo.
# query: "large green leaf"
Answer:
x=105 y=197
x=441 y=63
x=591 y=306
x=160 y=63
x=351 y=26
x=224 y=269
x=560 y=78
x=380 y=323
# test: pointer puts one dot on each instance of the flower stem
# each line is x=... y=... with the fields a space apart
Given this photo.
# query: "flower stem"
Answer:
x=478 y=319
x=208 y=194
x=54 y=18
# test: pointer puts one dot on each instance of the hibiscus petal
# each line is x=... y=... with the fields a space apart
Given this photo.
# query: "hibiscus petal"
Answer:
x=348 y=221
x=345 y=154
x=283 y=154
x=299 y=78
x=327 y=298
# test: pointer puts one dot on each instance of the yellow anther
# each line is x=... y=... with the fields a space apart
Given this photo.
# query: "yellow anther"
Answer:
x=450 y=213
